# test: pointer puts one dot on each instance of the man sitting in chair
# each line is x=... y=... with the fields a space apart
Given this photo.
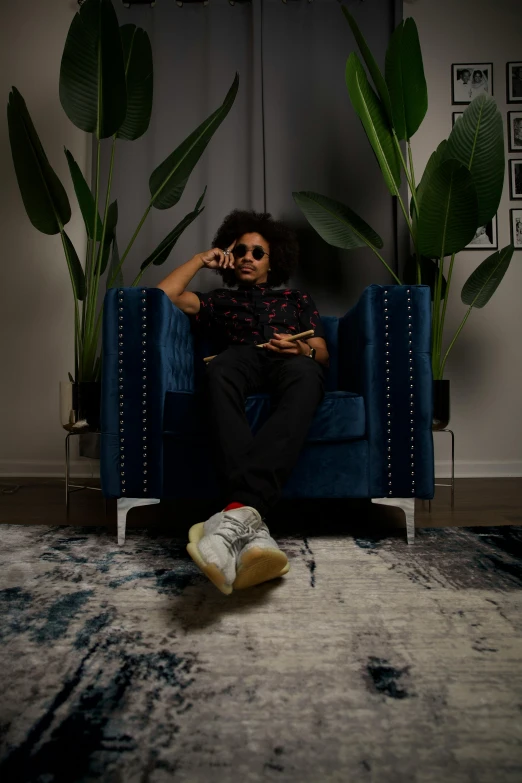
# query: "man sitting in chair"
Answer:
x=253 y=254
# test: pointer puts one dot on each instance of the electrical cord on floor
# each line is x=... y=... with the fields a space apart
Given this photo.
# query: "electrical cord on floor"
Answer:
x=9 y=489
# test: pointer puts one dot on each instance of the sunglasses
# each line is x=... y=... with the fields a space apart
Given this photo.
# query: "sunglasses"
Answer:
x=257 y=252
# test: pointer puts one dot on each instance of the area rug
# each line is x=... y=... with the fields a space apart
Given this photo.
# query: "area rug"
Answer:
x=371 y=660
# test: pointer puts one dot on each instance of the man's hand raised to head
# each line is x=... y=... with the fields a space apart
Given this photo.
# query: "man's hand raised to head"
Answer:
x=279 y=344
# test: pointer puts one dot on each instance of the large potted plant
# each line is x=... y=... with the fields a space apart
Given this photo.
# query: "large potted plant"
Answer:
x=459 y=191
x=106 y=89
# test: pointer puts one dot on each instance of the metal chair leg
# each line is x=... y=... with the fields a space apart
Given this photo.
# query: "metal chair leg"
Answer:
x=408 y=506
x=124 y=506
x=68 y=483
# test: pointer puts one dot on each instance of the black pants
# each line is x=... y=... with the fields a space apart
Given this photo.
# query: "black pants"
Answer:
x=253 y=469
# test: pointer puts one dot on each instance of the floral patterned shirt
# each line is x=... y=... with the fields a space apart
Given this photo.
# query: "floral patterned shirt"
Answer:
x=251 y=314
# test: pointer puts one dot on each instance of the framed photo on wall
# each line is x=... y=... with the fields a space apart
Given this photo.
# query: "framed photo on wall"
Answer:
x=516 y=228
x=456 y=116
x=485 y=237
x=515 y=179
x=469 y=80
x=514 y=126
x=514 y=82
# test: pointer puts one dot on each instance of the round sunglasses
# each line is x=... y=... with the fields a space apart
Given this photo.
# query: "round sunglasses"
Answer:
x=257 y=252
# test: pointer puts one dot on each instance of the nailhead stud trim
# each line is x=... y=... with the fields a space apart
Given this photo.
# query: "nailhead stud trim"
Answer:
x=144 y=389
x=412 y=395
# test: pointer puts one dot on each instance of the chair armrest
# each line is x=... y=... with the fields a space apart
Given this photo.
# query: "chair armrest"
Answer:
x=147 y=350
x=385 y=355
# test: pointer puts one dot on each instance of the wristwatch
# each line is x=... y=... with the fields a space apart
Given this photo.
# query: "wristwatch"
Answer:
x=312 y=353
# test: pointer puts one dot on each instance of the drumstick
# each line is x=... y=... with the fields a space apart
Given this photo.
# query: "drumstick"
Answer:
x=290 y=338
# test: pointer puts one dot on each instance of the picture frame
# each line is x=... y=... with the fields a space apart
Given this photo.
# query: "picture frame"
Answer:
x=514 y=131
x=514 y=82
x=515 y=179
x=465 y=83
x=456 y=116
x=486 y=237
x=515 y=216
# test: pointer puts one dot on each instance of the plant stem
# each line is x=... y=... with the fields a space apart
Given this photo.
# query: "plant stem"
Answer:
x=122 y=259
x=464 y=319
x=441 y=327
x=410 y=177
x=89 y=282
x=138 y=277
x=455 y=337
x=96 y=279
x=124 y=256
x=384 y=262
x=86 y=276
x=416 y=205
x=77 y=338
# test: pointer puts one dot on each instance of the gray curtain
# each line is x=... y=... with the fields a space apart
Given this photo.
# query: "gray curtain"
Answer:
x=292 y=127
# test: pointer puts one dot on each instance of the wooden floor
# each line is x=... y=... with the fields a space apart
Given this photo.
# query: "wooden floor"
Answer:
x=34 y=501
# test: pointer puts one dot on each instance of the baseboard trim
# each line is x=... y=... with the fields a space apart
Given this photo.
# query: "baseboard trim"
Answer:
x=90 y=468
x=478 y=469
x=78 y=468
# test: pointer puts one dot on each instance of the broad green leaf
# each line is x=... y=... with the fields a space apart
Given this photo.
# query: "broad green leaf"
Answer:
x=429 y=274
x=43 y=194
x=137 y=54
x=375 y=73
x=110 y=233
x=373 y=117
x=448 y=211
x=92 y=71
x=335 y=222
x=484 y=281
x=164 y=248
x=168 y=181
x=115 y=261
x=75 y=269
x=434 y=162
x=477 y=140
x=84 y=196
x=405 y=79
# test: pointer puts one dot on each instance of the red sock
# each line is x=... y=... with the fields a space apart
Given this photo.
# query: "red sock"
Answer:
x=233 y=505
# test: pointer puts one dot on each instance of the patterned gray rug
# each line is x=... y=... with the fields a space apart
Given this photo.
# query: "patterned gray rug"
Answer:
x=370 y=661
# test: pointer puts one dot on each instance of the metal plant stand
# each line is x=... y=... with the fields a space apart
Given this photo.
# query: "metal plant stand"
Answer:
x=452 y=484
x=67 y=482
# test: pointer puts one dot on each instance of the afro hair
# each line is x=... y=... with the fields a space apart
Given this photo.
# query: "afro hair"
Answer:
x=284 y=247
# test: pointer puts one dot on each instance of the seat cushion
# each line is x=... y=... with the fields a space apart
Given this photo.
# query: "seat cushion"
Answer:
x=340 y=416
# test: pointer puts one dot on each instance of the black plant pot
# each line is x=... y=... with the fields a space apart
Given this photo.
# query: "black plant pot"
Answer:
x=87 y=401
x=441 y=404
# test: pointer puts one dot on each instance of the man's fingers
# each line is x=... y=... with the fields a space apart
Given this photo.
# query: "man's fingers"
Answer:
x=284 y=344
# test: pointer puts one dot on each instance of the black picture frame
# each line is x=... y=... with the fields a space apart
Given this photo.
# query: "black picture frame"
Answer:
x=454 y=117
x=457 y=67
x=513 y=217
x=491 y=245
x=510 y=96
x=512 y=145
x=515 y=194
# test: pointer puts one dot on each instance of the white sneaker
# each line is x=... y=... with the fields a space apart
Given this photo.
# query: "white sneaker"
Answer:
x=260 y=560
x=215 y=544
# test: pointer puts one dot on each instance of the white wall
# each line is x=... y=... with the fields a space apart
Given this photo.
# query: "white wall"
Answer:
x=36 y=303
x=36 y=306
x=485 y=364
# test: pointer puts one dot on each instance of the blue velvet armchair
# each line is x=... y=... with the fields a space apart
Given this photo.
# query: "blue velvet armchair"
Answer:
x=371 y=436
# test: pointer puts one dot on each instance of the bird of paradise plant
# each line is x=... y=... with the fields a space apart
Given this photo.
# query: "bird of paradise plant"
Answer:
x=459 y=191
x=106 y=89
